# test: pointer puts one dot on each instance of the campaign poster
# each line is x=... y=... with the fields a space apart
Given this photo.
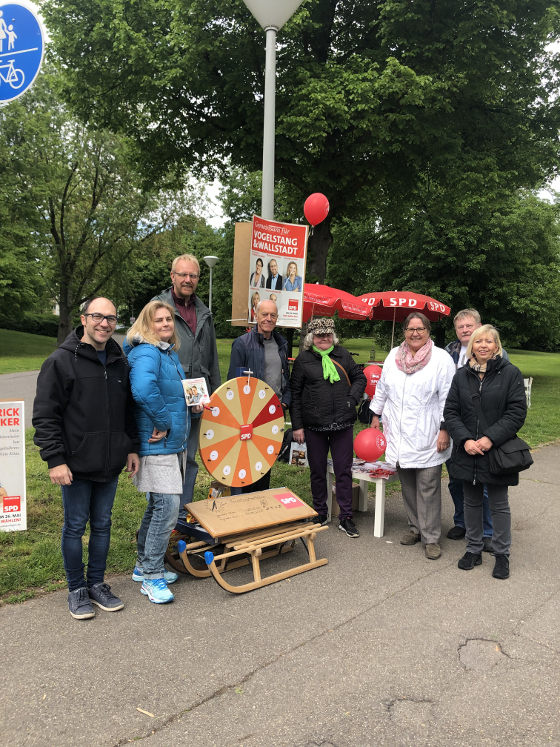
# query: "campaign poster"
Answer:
x=13 y=513
x=277 y=269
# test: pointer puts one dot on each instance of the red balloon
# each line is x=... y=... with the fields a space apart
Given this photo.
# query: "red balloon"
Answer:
x=373 y=374
x=316 y=208
x=369 y=444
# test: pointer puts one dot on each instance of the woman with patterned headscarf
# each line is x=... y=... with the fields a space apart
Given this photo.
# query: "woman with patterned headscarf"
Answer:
x=326 y=388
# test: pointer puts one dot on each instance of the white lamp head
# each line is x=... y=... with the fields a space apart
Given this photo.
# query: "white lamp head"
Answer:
x=211 y=260
x=273 y=12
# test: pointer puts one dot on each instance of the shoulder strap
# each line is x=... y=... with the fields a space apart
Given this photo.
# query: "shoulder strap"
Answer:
x=475 y=398
x=343 y=369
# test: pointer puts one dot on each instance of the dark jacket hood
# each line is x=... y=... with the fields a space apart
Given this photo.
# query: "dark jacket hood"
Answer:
x=73 y=343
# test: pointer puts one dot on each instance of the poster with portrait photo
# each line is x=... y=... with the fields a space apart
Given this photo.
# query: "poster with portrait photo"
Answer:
x=277 y=269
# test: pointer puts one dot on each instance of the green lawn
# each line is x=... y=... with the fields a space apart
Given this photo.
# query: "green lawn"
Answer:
x=20 y=351
x=30 y=562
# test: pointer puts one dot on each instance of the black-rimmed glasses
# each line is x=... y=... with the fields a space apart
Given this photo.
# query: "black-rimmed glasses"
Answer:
x=98 y=318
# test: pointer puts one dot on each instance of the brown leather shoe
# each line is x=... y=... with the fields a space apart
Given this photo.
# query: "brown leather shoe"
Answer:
x=410 y=538
x=433 y=551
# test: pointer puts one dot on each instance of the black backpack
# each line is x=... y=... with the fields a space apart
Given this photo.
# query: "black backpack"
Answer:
x=284 y=453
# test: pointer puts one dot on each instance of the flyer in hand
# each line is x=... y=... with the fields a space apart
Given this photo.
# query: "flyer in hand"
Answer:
x=196 y=391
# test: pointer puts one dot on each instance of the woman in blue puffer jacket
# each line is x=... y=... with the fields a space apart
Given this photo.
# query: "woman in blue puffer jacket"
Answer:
x=163 y=421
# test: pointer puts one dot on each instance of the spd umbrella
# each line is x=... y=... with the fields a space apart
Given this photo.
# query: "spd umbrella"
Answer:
x=321 y=300
x=395 y=306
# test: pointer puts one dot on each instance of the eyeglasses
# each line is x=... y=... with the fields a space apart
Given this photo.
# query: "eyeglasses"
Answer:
x=411 y=330
x=323 y=334
x=98 y=318
x=183 y=275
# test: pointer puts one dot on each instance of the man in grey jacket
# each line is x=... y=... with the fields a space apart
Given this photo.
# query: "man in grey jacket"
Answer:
x=198 y=352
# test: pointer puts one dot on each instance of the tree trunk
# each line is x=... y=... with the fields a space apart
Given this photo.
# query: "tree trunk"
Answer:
x=320 y=241
x=290 y=340
x=439 y=334
x=65 y=319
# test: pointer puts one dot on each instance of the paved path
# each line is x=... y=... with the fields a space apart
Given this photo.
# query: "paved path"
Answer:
x=23 y=386
x=380 y=648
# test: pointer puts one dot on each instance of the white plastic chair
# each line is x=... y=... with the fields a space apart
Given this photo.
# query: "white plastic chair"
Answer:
x=528 y=384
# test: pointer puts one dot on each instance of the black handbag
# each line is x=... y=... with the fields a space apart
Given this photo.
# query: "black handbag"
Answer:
x=365 y=415
x=508 y=458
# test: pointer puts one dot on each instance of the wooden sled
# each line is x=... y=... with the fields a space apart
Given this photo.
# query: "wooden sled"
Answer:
x=237 y=530
x=280 y=539
x=182 y=562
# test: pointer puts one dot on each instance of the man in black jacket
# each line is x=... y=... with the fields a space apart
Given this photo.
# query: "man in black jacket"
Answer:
x=264 y=352
x=85 y=427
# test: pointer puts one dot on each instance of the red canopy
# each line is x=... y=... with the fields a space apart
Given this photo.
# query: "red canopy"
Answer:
x=320 y=300
x=397 y=305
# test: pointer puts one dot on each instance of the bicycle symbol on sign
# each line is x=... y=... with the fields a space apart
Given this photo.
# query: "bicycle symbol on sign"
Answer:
x=13 y=77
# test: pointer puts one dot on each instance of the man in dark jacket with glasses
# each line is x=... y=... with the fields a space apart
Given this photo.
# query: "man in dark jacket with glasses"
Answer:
x=85 y=428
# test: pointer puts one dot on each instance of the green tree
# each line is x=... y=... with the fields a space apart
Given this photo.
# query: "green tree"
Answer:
x=372 y=94
x=82 y=208
x=500 y=255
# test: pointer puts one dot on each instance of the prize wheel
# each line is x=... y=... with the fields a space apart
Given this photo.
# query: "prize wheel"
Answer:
x=241 y=431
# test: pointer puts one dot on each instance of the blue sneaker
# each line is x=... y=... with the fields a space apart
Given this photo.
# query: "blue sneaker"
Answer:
x=156 y=590
x=168 y=576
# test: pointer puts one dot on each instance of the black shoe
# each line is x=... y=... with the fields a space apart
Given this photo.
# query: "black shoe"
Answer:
x=79 y=604
x=501 y=569
x=456 y=533
x=321 y=519
x=101 y=595
x=469 y=560
x=348 y=526
x=487 y=544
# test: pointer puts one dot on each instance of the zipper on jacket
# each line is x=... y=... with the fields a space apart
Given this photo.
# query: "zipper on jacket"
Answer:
x=108 y=417
x=477 y=424
x=400 y=422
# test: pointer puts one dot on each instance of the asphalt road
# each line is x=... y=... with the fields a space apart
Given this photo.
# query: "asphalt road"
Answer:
x=379 y=648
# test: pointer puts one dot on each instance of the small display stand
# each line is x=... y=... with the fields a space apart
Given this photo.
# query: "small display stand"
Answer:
x=249 y=528
x=378 y=473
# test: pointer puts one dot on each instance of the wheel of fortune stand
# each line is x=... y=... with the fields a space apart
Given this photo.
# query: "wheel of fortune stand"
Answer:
x=241 y=431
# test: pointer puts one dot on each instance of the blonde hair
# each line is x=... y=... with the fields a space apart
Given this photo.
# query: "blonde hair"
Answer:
x=288 y=267
x=479 y=331
x=187 y=258
x=143 y=326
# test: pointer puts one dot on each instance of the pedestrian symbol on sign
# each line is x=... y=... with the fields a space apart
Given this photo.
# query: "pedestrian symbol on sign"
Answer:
x=21 y=49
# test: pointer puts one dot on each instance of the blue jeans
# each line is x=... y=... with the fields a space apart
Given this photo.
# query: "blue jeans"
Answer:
x=456 y=490
x=83 y=500
x=191 y=468
x=153 y=536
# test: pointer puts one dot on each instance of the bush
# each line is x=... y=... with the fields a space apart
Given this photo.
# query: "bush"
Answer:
x=45 y=325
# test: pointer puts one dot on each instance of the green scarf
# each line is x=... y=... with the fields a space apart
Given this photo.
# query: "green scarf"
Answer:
x=329 y=369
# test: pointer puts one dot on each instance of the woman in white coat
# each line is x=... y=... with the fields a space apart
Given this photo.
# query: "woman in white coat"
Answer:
x=411 y=396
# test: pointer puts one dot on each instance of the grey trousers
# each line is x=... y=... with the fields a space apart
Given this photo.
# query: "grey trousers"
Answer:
x=501 y=517
x=421 y=489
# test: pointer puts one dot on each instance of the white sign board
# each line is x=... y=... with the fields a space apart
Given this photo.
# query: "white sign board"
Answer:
x=13 y=507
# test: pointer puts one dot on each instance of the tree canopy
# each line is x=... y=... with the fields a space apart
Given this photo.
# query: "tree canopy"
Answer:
x=75 y=208
x=373 y=96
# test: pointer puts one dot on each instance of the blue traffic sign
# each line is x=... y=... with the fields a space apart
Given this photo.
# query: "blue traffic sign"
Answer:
x=21 y=49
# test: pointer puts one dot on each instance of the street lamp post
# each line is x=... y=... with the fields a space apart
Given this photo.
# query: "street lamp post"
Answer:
x=210 y=261
x=272 y=15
